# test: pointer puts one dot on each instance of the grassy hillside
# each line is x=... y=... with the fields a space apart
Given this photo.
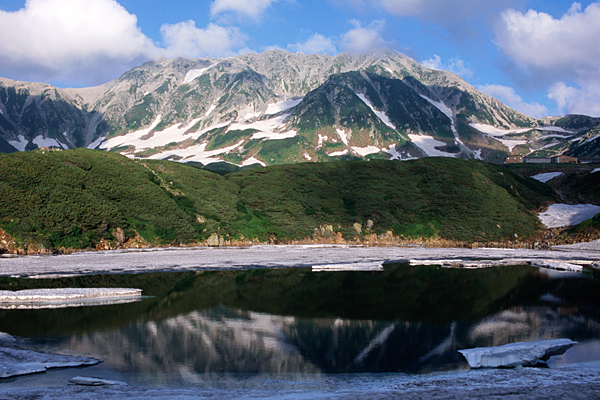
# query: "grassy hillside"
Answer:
x=80 y=198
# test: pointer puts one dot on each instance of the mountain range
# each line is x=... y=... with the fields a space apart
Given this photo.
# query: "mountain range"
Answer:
x=279 y=108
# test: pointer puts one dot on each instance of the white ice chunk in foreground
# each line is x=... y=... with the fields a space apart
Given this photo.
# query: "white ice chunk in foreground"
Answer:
x=89 y=381
x=561 y=215
x=15 y=361
x=516 y=354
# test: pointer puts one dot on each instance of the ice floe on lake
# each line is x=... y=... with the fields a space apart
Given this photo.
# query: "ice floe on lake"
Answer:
x=66 y=297
x=270 y=256
x=373 y=266
x=516 y=354
x=16 y=359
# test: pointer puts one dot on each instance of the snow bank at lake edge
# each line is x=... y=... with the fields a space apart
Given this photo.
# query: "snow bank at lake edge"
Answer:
x=562 y=215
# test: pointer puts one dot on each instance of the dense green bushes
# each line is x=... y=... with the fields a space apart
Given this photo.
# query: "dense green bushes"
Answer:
x=75 y=198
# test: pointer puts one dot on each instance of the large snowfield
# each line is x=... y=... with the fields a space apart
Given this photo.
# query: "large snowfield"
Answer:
x=561 y=215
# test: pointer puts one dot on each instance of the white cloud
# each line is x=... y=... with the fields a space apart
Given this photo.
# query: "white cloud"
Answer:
x=560 y=52
x=575 y=100
x=508 y=95
x=251 y=8
x=316 y=44
x=457 y=16
x=361 y=39
x=90 y=42
x=455 y=65
x=184 y=39
x=71 y=39
x=538 y=40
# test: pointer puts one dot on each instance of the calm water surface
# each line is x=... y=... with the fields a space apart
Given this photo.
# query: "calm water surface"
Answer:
x=226 y=328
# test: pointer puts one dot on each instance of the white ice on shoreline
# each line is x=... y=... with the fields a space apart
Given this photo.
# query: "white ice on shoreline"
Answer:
x=268 y=256
x=91 y=381
x=516 y=354
x=375 y=266
x=580 y=379
x=16 y=360
x=561 y=215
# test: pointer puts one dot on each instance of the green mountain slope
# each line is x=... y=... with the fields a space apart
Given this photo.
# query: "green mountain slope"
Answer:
x=83 y=198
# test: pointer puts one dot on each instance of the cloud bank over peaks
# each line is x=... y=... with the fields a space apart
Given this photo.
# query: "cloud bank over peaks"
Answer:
x=184 y=39
x=62 y=38
x=316 y=44
x=361 y=39
x=459 y=17
x=560 y=52
x=90 y=42
x=253 y=9
x=508 y=95
x=455 y=65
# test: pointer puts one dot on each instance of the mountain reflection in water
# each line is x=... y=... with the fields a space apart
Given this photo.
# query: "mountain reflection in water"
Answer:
x=407 y=319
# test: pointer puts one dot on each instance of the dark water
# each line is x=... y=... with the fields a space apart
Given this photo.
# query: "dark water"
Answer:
x=290 y=322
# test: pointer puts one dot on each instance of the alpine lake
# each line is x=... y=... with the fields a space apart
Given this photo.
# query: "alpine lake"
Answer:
x=269 y=326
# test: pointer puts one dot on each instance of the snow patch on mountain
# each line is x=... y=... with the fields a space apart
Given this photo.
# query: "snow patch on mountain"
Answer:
x=41 y=141
x=440 y=106
x=428 y=144
x=198 y=153
x=267 y=128
x=561 y=215
x=96 y=143
x=210 y=110
x=194 y=73
x=547 y=176
x=555 y=129
x=396 y=155
x=592 y=139
x=380 y=114
x=147 y=139
x=511 y=143
x=343 y=135
x=252 y=161
x=494 y=131
x=275 y=108
x=364 y=151
x=322 y=139
x=19 y=144
x=338 y=153
x=274 y=135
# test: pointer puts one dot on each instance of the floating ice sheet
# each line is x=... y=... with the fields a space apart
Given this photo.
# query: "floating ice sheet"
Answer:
x=16 y=359
x=66 y=297
x=516 y=354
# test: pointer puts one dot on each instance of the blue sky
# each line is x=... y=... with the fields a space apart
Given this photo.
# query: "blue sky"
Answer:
x=540 y=57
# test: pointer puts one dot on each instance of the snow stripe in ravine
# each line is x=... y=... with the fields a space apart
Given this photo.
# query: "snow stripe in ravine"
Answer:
x=548 y=176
